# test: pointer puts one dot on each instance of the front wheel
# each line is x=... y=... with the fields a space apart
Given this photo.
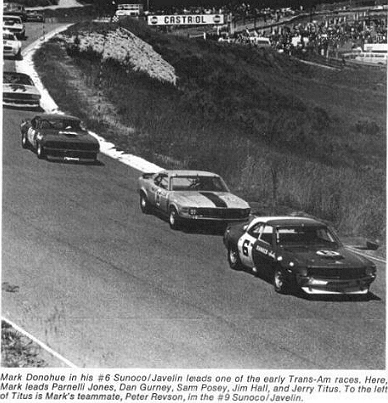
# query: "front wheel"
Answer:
x=234 y=258
x=40 y=151
x=144 y=204
x=280 y=281
x=25 y=143
x=174 y=219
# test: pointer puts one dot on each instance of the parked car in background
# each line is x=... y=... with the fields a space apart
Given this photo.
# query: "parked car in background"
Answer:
x=14 y=24
x=12 y=47
x=14 y=9
x=34 y=16
x=59 y=136
x=186 y=196
x=298 y=253
x=19 y=90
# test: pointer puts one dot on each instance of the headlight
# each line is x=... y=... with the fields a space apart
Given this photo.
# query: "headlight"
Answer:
x=35 y=97
x=370 y=270
x=193 y=211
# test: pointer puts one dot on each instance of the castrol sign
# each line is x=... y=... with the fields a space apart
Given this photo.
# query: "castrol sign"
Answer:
x=186 y=19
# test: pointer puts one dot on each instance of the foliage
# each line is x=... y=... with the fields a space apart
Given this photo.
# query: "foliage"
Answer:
x=16 y=350
x=272 y=126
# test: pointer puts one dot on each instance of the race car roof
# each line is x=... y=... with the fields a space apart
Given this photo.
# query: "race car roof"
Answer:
x=186 y=172
x=287 y=220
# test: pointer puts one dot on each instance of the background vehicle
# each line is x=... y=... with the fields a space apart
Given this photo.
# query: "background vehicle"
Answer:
x=59 y=136
x=12 y=47
x=15 y=9
x=15 y=25
x=34 y=16
x=298 y=253
x=189 y=196
x=19 y=90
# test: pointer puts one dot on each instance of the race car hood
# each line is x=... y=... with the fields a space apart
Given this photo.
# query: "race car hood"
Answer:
x=19 y=89
x=324 y=257
x=209 y=200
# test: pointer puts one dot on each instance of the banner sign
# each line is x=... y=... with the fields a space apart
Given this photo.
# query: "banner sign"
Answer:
x=186 y=19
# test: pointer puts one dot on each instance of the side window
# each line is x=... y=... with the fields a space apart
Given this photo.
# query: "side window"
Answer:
x=161 y=181
x=266 y=234
x=256 y=230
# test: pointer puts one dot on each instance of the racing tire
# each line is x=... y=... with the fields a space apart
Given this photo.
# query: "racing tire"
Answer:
x=144 y=204
x=25 y=142
x=174 y=219
x=234 y=258
x=280 y=281
x=40 y=151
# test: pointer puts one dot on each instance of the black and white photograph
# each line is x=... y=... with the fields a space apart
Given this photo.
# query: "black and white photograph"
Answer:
x=194 y=200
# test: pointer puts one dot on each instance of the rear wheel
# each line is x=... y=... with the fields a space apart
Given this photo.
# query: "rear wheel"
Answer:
x=234 y=258
x=40 y=151
x=174 y=219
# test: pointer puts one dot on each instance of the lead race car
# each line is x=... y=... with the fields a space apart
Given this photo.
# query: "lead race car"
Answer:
x=59 y=137
x=298 y=253
x=190 y=196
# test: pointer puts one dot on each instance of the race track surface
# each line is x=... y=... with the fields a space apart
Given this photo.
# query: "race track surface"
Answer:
x=107 y=286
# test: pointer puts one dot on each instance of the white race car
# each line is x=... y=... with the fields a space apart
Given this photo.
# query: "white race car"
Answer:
x=14 y=24
x=12 y=47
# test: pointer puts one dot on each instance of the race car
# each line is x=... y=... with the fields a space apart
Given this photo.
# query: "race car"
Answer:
x=19 y=90
x=14 y=24
x=59 y=136
x=298 y=253
x=12 y=47
x=14 y=9
x=34 y=16
x=186 y=196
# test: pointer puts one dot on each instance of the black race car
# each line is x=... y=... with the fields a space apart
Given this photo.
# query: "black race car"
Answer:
x=59 y=137
x=298 y=253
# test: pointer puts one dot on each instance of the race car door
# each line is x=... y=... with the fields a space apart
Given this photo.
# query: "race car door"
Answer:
x=161 y=190
x=263 y=253
x=245 y=244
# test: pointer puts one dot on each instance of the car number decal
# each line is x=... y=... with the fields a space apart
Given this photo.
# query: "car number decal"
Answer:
x=265 y=251
x=245 y=245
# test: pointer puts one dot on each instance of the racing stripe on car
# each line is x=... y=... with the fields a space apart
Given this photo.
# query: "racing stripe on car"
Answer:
x=215 y=199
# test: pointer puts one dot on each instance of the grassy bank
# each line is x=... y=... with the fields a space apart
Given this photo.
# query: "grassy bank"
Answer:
x=283 y=134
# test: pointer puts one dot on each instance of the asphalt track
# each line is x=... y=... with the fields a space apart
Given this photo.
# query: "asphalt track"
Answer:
x=106 y=286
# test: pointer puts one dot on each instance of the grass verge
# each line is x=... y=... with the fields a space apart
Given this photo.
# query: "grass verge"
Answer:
x=283 y=134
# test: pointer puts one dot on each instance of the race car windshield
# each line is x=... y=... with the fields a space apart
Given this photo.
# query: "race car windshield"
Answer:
x=305 y=235
x=198 y=183
x=12 y=20
x=66 y=125
x=8 y=37
x=11 y=78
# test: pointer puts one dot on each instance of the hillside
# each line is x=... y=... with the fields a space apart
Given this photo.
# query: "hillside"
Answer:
x=283 y=134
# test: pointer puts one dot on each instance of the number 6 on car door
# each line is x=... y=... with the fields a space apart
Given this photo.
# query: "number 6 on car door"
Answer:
x=244 y=245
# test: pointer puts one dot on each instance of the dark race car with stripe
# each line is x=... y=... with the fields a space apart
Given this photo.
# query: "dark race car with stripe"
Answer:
x=190 y=196
x=298 y=253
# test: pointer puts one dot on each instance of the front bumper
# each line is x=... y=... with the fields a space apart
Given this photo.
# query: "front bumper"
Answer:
x=220 y=214
x=21 y=103
x=311 y=285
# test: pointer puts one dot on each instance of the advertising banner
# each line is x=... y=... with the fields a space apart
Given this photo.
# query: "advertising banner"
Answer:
x=186 y=19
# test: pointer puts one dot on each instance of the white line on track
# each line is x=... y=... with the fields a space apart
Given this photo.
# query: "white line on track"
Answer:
x=40 y=343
